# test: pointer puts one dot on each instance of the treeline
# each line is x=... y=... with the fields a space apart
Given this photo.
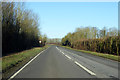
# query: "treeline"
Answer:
x=20 y=29
x=54 y=41
x=93 y=39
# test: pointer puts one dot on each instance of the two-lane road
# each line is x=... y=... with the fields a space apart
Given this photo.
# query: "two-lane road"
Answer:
x=59 y=62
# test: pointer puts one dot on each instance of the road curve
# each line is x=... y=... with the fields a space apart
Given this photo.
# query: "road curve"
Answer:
x=59 y=62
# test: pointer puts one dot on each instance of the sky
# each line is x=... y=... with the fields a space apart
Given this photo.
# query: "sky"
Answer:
x=56 y=19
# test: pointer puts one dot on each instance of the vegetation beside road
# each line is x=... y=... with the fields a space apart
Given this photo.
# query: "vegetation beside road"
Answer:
x=101 y=42
x=108 y=56
x=22 y=38
x=20 y=28
x=13 y=60
x=94 y=39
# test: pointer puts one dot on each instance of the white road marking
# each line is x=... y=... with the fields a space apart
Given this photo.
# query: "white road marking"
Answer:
x=57 y=48
x=90 y=72
x=26 y=65
x=68 y=57
x=63 y=52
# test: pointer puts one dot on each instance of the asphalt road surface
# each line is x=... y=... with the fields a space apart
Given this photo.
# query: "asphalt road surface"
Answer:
x=59 y=62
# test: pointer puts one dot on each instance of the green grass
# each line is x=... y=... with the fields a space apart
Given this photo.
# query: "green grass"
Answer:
x=14 y=59
x=108 y=56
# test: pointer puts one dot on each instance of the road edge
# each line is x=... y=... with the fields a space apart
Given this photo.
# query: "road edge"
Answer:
x=19 y=70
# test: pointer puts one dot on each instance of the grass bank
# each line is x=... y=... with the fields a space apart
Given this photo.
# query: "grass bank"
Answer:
x=19 y=58
x=108 y=56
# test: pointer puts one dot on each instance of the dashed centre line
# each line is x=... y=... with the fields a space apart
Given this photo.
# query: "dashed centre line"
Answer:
x=90 y=72
x=63 y=52
x=68 y=57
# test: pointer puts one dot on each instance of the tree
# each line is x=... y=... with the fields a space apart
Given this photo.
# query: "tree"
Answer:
x=93 y=39
x=19 y=28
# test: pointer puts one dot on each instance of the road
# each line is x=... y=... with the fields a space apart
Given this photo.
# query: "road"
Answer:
x=59 y=62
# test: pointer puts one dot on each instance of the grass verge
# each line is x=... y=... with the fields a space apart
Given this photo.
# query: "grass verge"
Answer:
x=18 y=59
x=108 y=56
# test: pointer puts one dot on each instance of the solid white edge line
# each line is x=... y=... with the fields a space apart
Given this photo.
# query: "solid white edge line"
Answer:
x=90 y=72
x=25 y=65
